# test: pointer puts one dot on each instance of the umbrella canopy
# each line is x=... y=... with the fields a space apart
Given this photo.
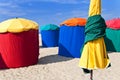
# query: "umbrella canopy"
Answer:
x=71 y=37
x=113 y=35
x=49 y=35
x=17 y=25
x=49 y=27
x=94 y=55
x=113 y=23
x=74 y=22
x=19 y=43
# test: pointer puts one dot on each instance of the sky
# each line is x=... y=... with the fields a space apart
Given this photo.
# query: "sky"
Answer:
x=54 y=11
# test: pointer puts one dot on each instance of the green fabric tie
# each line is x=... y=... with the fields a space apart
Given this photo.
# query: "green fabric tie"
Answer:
x=95 y=28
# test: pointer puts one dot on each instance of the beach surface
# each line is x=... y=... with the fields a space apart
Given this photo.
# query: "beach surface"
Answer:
x=51 y=66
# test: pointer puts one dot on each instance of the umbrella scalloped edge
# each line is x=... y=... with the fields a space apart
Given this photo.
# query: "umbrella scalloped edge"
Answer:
x=74 y=22
x=17 y=25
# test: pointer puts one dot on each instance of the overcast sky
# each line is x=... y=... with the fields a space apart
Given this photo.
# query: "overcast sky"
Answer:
x=54 y=11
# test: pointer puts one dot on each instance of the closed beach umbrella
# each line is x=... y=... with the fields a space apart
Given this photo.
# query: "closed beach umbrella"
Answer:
x=19 y=44
x=113 y=35
x=94 y=55
x=71 y=37
x=49 y=35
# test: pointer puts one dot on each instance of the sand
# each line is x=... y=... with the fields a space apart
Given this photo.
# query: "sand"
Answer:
x=51 y=66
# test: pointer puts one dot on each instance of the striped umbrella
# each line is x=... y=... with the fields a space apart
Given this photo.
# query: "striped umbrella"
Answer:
x=94 y=55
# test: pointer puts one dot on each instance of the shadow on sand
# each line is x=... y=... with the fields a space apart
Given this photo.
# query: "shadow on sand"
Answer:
x=53 y=59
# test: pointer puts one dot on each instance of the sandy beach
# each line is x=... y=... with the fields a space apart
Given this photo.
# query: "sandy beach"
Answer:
x=51 y=66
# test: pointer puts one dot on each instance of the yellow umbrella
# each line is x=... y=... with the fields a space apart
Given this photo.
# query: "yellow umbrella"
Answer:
x=94 y=55
x=17 y=25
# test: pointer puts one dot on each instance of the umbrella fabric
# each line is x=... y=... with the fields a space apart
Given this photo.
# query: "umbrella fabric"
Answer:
x=49 y=27
x=71 y=40
x=49 y=35
x=114 y=23
x=50 y=38
x=71 y=37
x=94 y=54
x=74 y=22
x=113 y=35
x=112 y=40
x=19 y=43
x=18 y=50
x=17 y=25
x=95 y=28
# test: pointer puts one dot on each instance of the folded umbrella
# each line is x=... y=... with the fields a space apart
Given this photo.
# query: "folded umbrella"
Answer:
x=94 y=55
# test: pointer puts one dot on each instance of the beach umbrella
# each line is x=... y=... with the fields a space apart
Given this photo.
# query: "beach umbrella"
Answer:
x=94 y=55
x=113 y=35
x=19 y=43
x=49 y=35
x=71 y=37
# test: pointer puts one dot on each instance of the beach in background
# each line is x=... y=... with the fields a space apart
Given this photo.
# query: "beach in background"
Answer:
x=51 y=66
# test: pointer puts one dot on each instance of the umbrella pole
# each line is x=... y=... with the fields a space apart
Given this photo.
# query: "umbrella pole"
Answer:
x=91 y=74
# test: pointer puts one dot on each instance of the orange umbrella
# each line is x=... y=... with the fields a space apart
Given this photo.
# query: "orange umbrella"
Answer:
x=74 y=22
